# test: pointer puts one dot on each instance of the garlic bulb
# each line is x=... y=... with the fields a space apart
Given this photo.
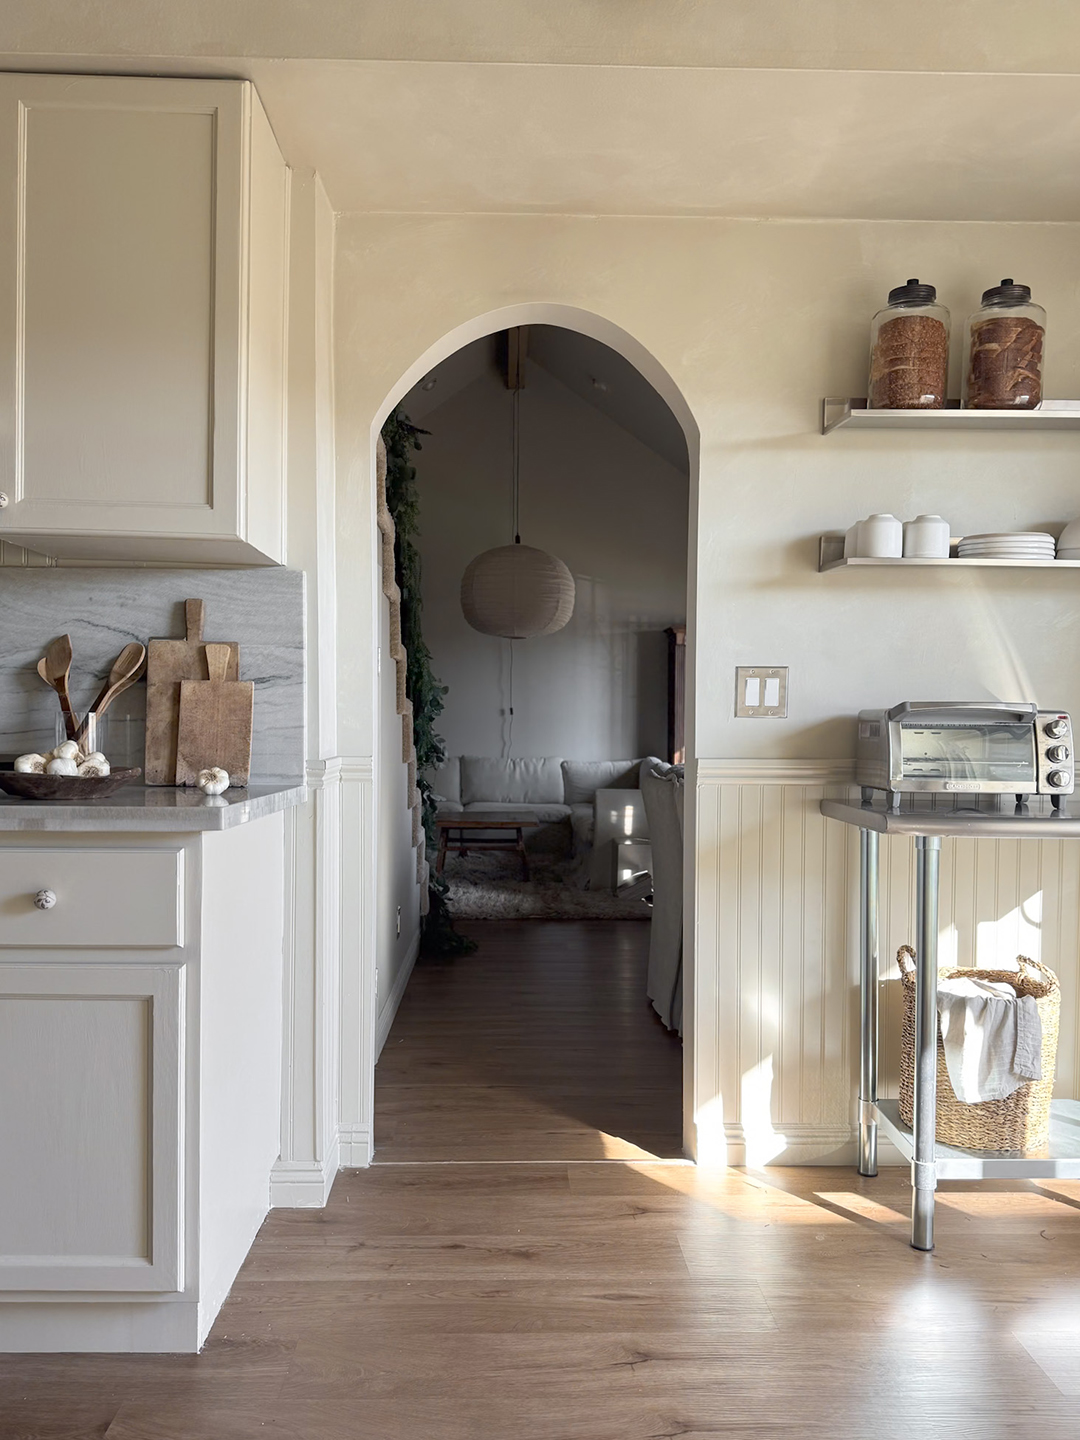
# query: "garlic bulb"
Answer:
x=61 y=766
x=67 y=751
x=213 y=782
x=92 y=767
x=30 y=765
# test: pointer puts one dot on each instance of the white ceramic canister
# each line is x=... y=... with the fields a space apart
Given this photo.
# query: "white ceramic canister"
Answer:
x=881 y=537
x=851 y=542
x=926 y=538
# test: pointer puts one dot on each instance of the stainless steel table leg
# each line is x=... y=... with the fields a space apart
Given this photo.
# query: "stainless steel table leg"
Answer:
x=923 y=1168
x=868 y=989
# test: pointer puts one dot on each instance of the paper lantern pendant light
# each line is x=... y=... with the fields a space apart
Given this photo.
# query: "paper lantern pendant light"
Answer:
x=517 y=591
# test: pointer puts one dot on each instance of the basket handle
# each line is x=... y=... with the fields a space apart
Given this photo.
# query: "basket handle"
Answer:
x=905 y=958
x=1043 y=971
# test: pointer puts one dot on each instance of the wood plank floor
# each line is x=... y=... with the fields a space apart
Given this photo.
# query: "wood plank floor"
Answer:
x=594 y=1300
x=540 y=1046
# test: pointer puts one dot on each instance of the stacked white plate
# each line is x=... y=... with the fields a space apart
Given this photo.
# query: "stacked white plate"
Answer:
x=1018 y=545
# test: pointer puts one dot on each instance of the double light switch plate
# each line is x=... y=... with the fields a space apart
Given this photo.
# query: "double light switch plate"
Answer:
x=761 y=692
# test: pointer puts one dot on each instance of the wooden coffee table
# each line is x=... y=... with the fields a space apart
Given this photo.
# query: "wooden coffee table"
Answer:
x=467 y=836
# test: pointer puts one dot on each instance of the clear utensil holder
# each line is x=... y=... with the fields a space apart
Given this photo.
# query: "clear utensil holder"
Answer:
x=94 y=738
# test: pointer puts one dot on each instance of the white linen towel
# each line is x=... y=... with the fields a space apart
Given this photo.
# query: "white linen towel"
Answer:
x=992 y=1038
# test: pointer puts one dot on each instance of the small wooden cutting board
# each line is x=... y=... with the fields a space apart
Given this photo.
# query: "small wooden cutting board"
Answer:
x=215 y=722
x=169 y=662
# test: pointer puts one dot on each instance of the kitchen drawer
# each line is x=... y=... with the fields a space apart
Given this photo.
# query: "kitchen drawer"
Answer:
x=103 y=897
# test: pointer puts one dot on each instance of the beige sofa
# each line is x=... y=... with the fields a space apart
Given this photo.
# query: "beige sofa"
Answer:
x=542 y=788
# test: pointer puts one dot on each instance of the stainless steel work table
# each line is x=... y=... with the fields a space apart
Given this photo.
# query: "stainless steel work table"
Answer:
x=929 y=1161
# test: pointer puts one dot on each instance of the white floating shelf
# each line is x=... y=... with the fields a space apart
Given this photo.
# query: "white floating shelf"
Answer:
x=1051 y=415
x=1060 y=1160
x=831 y=557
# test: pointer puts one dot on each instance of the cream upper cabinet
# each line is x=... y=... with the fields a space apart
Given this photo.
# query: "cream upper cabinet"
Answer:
x=143 y=247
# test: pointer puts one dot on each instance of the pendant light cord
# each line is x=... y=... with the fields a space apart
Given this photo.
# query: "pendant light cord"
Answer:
x=517 y=467
x=510 y=732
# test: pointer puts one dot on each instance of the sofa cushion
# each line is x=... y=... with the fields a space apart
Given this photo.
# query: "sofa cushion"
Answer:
x=446 y=780
x=582 y=778
x=528 y=781
x=543 y=814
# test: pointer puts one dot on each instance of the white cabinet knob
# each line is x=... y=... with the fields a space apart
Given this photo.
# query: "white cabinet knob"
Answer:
x=45 y=899
x=4 y=502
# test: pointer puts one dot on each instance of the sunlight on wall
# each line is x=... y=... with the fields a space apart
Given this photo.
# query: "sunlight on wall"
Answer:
x=763 y=1141
x=999 y=942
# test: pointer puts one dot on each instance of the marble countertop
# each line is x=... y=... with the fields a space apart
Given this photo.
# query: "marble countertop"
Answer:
x=149 y=807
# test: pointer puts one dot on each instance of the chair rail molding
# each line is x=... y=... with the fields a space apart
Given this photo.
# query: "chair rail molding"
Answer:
x=774 y=771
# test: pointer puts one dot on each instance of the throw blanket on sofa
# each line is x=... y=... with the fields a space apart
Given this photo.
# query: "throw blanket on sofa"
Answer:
x=662 y=788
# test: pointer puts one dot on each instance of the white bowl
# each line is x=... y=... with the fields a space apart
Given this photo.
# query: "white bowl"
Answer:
x=1069 y=539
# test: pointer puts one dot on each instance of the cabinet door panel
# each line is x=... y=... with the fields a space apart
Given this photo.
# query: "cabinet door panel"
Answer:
x=117 y=275
x=121 y=229
x=90 y=1079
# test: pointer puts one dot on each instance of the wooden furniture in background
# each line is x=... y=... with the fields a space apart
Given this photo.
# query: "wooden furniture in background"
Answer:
x=215 y=722
x=469 y=837
x=169 y=662
x=676 y=732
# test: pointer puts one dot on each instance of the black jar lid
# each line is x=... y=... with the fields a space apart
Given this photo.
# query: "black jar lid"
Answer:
x=1007 y=293
x=913 y=293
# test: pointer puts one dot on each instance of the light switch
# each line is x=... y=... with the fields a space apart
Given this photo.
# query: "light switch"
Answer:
x=761 y=692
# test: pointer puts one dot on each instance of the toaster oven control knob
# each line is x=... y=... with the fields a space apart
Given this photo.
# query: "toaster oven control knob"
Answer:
x=1056 y=728
x=1057 y=753
x=1057 y=778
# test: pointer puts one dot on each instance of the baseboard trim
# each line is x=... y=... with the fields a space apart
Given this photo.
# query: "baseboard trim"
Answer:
x=355 y=1147
x=775 y=772
x=389 y=1008
x=304 y=1184
x=791 y=1145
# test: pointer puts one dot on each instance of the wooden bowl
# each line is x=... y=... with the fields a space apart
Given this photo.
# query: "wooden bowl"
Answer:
x=65 y=787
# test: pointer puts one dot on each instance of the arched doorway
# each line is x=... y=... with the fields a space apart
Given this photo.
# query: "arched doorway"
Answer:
x=597 y=329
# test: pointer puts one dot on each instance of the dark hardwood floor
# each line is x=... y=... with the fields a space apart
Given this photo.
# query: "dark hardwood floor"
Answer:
x=541 y=1045
x=595 y=1300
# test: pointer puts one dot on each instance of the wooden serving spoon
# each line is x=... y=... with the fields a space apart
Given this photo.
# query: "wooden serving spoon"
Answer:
x=126 y=669
x=54 y=668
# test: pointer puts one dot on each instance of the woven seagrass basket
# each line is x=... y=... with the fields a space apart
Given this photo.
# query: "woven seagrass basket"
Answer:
x=1022 y=1120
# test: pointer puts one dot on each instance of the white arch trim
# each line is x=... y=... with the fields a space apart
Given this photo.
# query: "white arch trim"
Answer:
x=569 y=317
x=585 y=322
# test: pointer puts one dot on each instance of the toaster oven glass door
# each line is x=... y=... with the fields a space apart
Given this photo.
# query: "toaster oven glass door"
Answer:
x=993 y=754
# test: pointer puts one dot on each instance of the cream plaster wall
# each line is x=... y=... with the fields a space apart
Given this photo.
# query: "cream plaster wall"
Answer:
x=613 y=511
x=754 y=322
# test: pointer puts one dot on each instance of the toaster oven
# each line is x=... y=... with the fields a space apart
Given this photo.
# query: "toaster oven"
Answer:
x=964 y=747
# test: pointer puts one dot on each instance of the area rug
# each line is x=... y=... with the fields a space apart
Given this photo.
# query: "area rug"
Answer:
x=489 y=887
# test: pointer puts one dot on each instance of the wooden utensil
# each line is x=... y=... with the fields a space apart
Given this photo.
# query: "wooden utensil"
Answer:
x=126 y=669
x=168 y=663
x=54 y=668
x=215 y=722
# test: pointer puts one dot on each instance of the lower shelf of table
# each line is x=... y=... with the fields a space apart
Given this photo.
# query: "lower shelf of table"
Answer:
x=1061 y=1159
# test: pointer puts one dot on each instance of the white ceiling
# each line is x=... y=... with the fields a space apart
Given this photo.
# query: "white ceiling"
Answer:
x=624 y=140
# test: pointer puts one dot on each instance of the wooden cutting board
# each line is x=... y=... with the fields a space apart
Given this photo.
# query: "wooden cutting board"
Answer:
x=215 y=722
x=169 y=662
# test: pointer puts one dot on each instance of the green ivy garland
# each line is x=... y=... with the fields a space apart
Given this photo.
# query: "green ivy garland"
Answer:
x=401 y=437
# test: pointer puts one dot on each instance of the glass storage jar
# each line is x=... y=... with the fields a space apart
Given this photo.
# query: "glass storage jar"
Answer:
x=1003 y=351
x=909 y=351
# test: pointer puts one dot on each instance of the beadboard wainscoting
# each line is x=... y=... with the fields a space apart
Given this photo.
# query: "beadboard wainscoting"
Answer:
x=777 y=942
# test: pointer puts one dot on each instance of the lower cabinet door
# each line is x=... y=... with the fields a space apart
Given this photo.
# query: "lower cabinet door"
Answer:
x=91 y=1091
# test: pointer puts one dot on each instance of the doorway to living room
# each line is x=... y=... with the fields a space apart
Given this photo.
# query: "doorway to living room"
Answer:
x=556 y=814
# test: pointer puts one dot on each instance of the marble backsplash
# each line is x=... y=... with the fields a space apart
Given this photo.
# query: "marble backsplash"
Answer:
x=103 y=609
